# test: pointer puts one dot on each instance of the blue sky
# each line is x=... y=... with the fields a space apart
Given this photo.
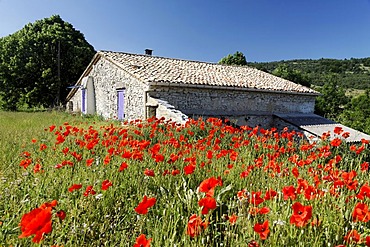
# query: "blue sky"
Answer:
x=205 y=30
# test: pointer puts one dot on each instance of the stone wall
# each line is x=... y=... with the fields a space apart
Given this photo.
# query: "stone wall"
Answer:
x=107 y=79
x=243 y=107
x=205 y=101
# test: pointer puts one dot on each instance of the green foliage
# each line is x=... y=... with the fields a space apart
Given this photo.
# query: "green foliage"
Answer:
x=332 y=100
x=351 y=73
x=357 y=112
x=32 y=58
x=237 y=58
x=291 y=74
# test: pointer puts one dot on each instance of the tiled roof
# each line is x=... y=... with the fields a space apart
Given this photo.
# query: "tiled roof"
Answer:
x=153 y=69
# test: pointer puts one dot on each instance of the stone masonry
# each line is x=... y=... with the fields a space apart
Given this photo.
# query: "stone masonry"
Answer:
x=244 y=107
x=108 y=78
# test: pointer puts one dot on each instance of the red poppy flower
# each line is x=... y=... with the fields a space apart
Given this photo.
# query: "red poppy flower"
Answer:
x=126 y=154
x=89 y=191
x=149 y=173
x=65 y=150
x=255 y=198
x=123 y=166
x=262 y=229
x=345 y=135
x=106 y=184
x=360 y=149
x=310 y=192
x=270 y=194
x=61 y=214
x=338 y=130
x=253 y=211
x=253 y=243
x=75 y=187
x=37 y=222
x=301 y=214
x=365 y=166
x=208 y=186
x=232 y=219
x=367 y=239
x=51 y=204
x=60 y=139
x=364 y=141
x=107 y=159
x=25 y=163
x=364 y=192
x=195 y=225
x=264 y=210
x=242 y=194
x=233 y=155
x=141 y=241
x=89 y=162
x=336 y=142
x=175 y=172
x=289 y=192
x=295 y=172
x=26 y=154
x=51 y=128
x=37 y=168
x=142 y=207
x=361 y=213
x=352 y=236
x=208 y=203
x=189 y=169
x=42 y=147
x=173 y=158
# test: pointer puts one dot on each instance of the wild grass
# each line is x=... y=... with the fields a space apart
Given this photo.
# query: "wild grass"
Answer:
x=254 y=176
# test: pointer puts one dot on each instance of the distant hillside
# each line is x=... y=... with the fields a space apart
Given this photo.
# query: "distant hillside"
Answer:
x=351 y=73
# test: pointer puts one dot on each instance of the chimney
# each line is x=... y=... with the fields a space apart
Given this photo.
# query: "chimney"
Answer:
x=148 y=52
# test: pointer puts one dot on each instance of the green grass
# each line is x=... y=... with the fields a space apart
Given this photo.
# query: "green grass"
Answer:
x=88 y=151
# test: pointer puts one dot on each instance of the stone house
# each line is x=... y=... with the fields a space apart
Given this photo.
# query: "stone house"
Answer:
x=119 y=85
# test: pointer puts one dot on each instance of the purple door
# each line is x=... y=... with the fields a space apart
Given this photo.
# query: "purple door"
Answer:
x=121 y=104
x=83 y=100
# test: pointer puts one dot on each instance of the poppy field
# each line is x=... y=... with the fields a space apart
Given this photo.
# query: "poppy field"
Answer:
x=80 y=182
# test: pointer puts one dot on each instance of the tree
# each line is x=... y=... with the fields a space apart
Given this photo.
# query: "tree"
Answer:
x=332 y=100
x=293 y=75
x=38 y=62
x=237 y=58
x=357 y=112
